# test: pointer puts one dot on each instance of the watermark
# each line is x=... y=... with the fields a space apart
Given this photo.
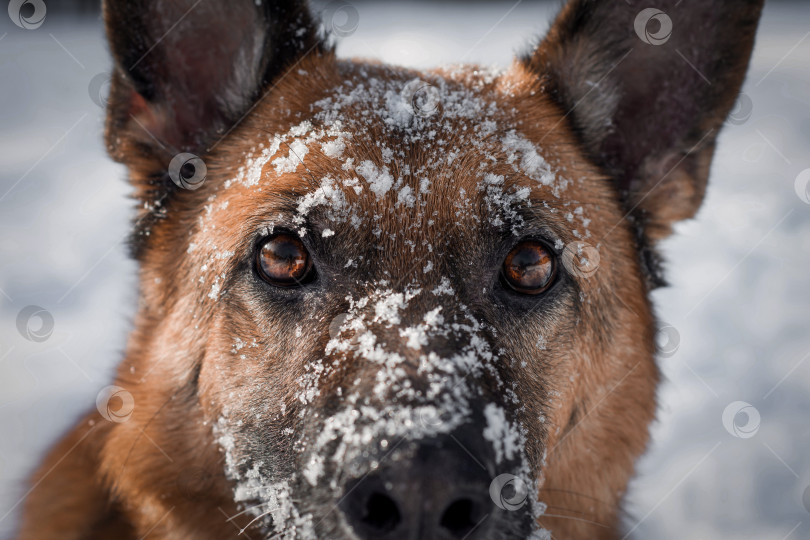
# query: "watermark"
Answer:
x=28 y=14
x=187 y=171
x=802 y=186
x=653 y=26
x=341 y=17
x=115 y=404
x=35 y=323
x=580 y=259
x=430 y=417
x=742 y=110
x=806 y=499
x=741 y=419
x=667 y=339
x=508 y=492
x=421 y=97
x=99 y=89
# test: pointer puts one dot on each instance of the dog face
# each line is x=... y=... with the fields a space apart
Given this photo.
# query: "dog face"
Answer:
x=406 y=330
x=379 y=303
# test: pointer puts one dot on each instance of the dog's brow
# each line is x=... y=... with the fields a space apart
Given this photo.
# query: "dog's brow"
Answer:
x=539 y=220
x=282 y=201
x=284 y=214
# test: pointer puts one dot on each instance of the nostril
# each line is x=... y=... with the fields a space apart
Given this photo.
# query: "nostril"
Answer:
x=381 y=514
x=460 y=517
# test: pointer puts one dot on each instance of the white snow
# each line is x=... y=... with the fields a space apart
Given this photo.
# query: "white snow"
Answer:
x=334 y=148
x=379 y=179
x=503 y=436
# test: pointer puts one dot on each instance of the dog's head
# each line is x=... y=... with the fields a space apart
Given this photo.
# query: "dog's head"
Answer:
x=379 y=303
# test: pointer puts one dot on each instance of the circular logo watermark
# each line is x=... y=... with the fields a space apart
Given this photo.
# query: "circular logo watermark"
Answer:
x=187 y=171
x=508 y=492
x=421 y=98
x=580 y=259
x=802 y=186
x=806 y=498
x=653 y=26
x=99 y=89
x=668 y=339
x=742 y=110
x=115 y=404
x=28 y=14
x=35 y=323
x=741 y=419
x=341 y=17
x=430 y=417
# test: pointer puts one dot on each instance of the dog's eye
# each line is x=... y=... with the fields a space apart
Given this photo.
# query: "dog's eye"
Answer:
x=284 y=261
x=529 y=268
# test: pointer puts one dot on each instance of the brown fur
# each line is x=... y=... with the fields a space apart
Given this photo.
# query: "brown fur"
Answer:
x=586 y=399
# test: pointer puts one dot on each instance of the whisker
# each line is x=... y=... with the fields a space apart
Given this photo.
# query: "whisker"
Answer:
x=254 y=520
x=585 y=495
x=573 y=518
x=583 y=512
x=245 y=511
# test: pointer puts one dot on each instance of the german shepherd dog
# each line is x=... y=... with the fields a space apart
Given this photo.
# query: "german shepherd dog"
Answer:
x=382 y=303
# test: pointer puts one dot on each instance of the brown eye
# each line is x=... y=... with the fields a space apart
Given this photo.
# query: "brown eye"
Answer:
x=283 y=260
x=529 y=268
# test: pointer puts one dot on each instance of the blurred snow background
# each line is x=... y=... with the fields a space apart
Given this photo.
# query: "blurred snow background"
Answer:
x=739 y=300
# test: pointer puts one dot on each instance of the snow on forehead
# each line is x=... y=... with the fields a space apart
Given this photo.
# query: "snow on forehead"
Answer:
x=399 y=142
x=445 y=118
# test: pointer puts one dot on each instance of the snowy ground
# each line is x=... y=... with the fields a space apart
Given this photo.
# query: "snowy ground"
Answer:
x=739 y=301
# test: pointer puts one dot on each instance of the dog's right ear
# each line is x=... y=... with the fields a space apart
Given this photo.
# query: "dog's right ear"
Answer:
x=187 y=70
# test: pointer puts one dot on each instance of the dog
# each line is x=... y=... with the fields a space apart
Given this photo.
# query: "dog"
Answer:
x=382 y=303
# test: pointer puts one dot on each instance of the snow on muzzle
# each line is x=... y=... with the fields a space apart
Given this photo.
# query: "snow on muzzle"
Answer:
x=420 y=439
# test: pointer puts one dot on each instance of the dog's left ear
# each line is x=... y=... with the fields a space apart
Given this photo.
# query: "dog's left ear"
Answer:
x=646 y=91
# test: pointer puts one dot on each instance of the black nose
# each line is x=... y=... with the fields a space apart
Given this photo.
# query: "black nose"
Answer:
x=437 y=490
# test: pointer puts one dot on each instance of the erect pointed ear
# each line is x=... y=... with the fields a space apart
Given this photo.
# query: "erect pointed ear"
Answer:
x=646 y=91
x=187 y=70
